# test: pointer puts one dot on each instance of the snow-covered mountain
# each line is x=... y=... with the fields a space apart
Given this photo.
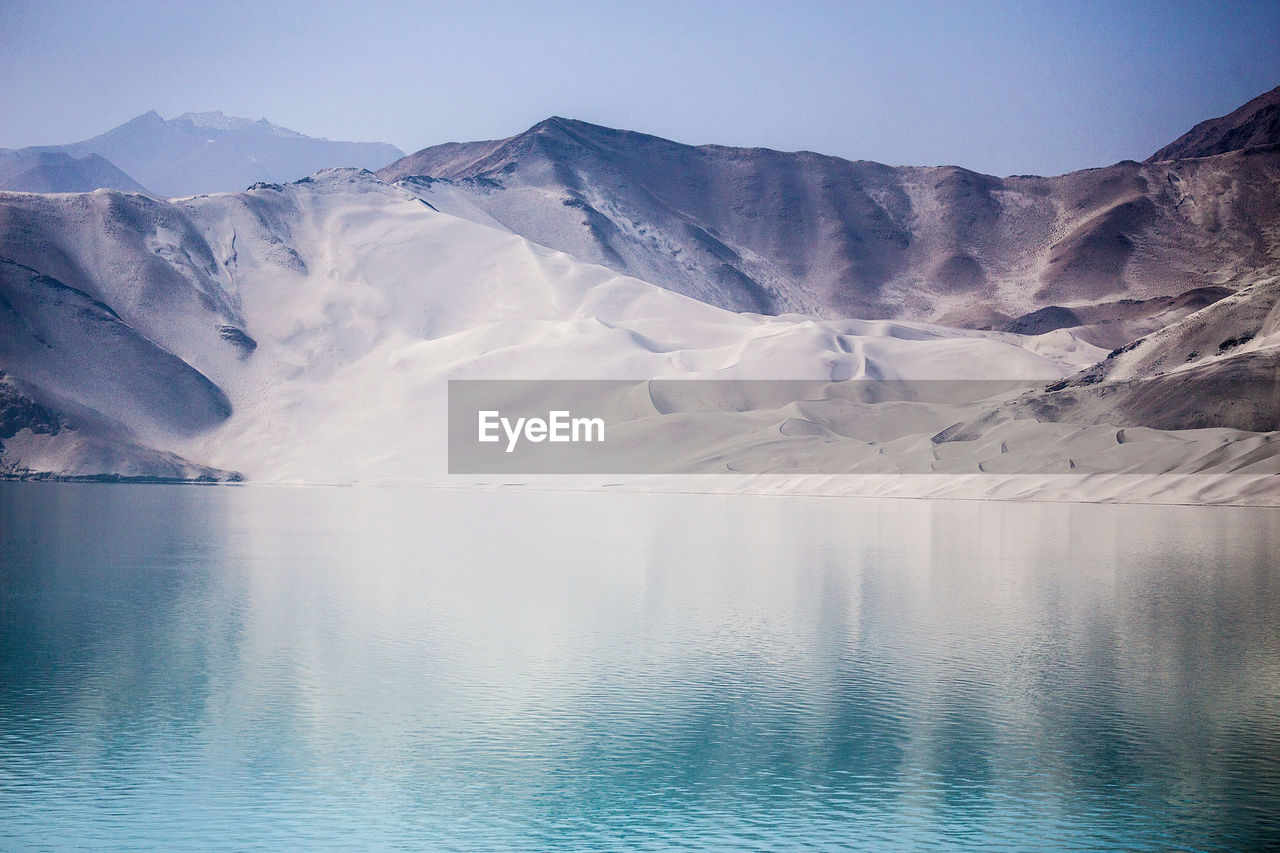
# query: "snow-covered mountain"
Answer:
x=767 y=231
x=211 y=152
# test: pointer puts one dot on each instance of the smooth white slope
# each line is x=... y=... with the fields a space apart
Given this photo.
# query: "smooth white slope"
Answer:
x=364 y=299
x=388 y=298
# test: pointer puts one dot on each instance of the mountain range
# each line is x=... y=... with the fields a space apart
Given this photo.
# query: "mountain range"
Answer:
x=191 y=154
x=303 y=331
x=773 y=232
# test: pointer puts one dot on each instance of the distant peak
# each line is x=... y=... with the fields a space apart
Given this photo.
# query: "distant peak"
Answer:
x=575 y=130
x=561 y=123
x=215 y=120
x=149 y=117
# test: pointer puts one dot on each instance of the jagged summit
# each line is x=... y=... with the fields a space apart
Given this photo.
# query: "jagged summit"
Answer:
x=216 y=120
x=221 y=122
x=208 y=152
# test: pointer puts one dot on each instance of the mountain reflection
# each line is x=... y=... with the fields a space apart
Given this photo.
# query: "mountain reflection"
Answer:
x=536 y=670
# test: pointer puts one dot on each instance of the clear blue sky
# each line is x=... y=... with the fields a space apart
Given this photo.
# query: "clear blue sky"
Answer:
x=999 y=87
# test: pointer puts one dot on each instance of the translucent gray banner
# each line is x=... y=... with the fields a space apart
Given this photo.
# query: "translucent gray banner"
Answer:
x=674 y=426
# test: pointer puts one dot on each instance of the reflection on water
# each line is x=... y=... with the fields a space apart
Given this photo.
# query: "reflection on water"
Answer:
x=195 y=667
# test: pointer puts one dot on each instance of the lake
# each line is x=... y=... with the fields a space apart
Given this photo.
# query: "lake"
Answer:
x=191 y=667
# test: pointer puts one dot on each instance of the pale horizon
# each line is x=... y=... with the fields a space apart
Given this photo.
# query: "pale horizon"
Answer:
x=1002 y=89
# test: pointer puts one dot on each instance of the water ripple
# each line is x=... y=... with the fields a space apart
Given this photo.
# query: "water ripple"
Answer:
x=188 y=668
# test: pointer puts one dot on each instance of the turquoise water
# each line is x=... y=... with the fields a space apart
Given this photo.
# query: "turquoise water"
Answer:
x=231 y=667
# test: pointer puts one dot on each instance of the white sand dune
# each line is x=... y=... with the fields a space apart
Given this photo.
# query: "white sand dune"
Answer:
x=331 y=312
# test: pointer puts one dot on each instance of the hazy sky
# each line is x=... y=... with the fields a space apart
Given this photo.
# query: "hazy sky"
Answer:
x=999 y=87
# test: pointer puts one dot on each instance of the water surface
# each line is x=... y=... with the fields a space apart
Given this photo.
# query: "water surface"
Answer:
x=204 y=667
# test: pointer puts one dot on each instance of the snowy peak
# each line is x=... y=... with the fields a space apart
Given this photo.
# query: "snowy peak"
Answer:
x=1256 y=123
x=209 y=152
x=216 y=120
x=223 y=123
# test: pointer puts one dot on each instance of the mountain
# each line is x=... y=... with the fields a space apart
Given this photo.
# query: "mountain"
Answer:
x=1254 y=124
x=774 y=232
x=211 y=152
x=36 y=171
x=306 y=332
x=1216 y=367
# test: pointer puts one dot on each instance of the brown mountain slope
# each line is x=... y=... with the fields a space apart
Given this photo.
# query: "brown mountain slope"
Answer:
x=772 y=232
x=1255 y=123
